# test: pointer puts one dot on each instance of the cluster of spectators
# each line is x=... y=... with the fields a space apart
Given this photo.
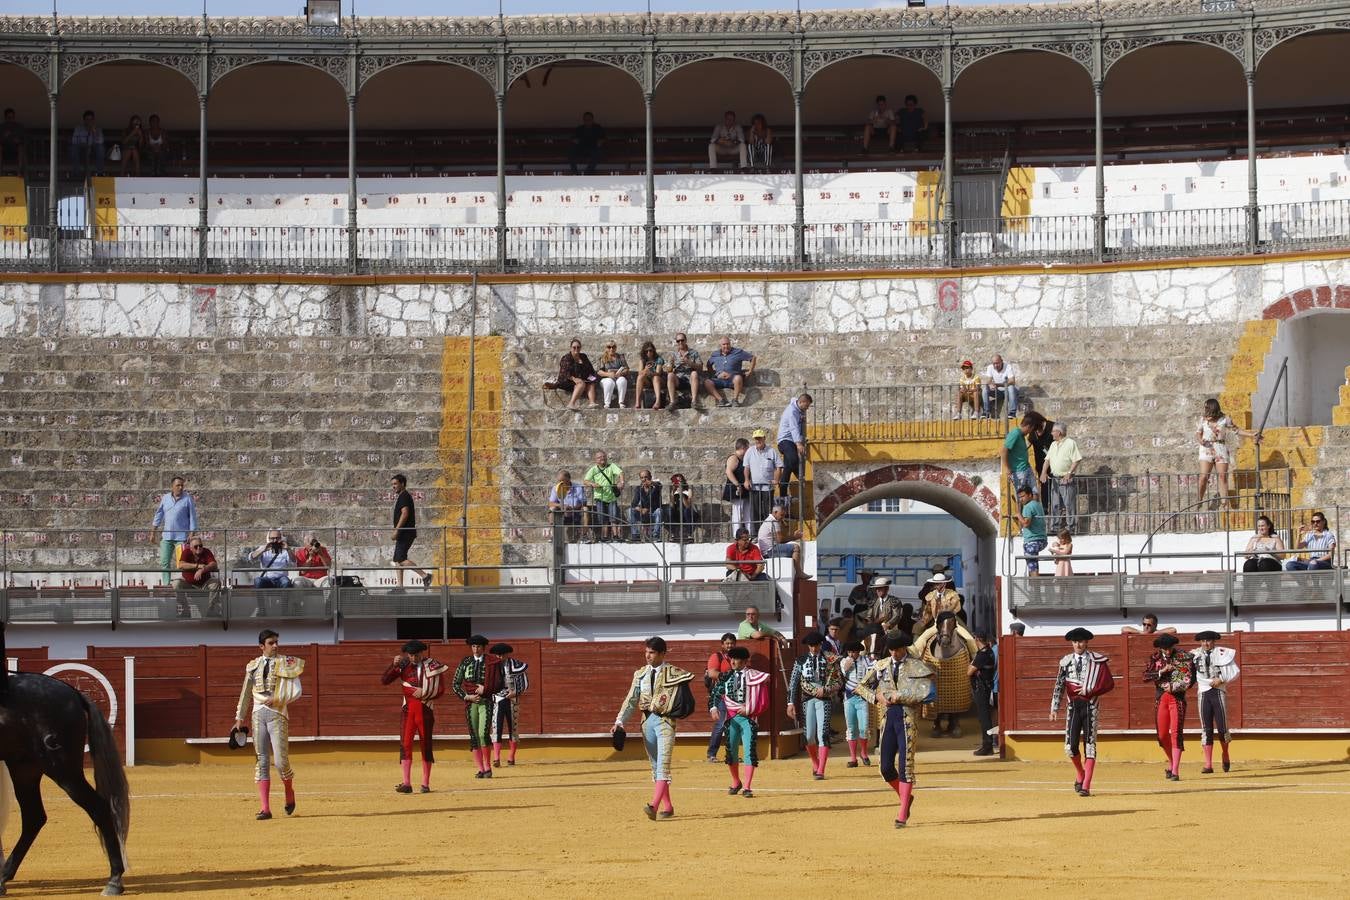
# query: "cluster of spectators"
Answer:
x=657 y=381
x=752 y=146
x=655 y=512
x=140 y=143
x=906 y=129
x=988 y=394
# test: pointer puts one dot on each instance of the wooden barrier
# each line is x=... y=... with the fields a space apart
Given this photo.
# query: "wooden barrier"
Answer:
x=575 y=688
x=104 y=681
x=1290 y=681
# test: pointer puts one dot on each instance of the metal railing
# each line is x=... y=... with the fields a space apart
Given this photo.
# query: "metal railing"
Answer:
x=583 y=248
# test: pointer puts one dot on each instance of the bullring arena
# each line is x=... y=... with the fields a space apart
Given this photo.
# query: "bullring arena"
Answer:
x=234 y=327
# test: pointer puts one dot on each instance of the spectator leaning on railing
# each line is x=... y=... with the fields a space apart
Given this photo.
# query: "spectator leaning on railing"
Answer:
x=1319 y=541
x=736 y=485
x=1032 y=522
x=1062 y=460
x=1015 y=454
x=570 y=498
x=765 y=467
x=967 y=391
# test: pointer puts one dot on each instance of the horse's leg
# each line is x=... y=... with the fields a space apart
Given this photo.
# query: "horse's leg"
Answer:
x=89 y=800
x=27 y=779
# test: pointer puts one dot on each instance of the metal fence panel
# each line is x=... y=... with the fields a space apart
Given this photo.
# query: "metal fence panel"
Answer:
x=1310 y=588
x=390 y=602
x=719 y=598
x=619 y=600
x=1076 y=592
x=1186 y=590
x=504 y=602
x=140 y=604
x=58 y=606
x=280 y=603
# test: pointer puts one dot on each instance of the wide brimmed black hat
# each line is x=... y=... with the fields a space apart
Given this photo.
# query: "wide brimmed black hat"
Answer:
x=812 y=639
x=414 y=647
x=1079 y=634
x=739 y=653
x=501 y=649
x=477 y=639
x=239 y=737
x=854 y=645
x=618 y=737
x=900 y=641
x=1209 y=636
x=1166 y=641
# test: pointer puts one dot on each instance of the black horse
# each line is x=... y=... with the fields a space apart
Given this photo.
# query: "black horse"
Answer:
x=44 y=725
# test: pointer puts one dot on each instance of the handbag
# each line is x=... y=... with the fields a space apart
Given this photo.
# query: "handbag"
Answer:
x=732 y=491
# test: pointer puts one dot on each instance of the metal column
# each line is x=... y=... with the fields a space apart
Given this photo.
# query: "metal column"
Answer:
x=649 y=238
x=799 y=226
x=1253 y=211
x=1099 y=188
x=53 y=158
x=352 y=260
x=501 y=181
x=203 y=213
x=949 y=230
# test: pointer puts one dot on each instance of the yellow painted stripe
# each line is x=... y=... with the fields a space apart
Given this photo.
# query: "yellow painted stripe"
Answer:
x=13 y=210
x=104 y=191
x=1017 y=195
x=927 y=201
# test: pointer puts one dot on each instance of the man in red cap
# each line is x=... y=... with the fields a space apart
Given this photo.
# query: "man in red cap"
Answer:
x=420 y=679
x=1084 y=675
x=967 y=391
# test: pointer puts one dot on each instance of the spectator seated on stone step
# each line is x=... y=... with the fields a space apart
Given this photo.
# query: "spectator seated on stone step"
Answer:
x=967 y=391
x=880 y=118
x=1000 y=383
x=588 y=141
x=575 y=375
x=650 y=373
x=1319 y=541
x=570 y=498
x=681 y=514
x=727 y=140
x=683 y=371
x=313 y=560
x=727 y=372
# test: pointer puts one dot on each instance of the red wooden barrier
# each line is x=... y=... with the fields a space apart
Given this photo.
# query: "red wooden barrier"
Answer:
x=103 y=681
x=1289 y=680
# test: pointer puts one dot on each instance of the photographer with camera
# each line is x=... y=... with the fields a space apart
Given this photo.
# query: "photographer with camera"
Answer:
x=274 y=559
x=313 y=560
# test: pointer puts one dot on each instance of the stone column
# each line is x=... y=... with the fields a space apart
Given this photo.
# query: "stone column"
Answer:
x=352 y=261
x=1099 y=187
x=53 y=165
x=501 y=180
x=203 y=197
x=1253 y=209
x=799 y=222
x=649 y=238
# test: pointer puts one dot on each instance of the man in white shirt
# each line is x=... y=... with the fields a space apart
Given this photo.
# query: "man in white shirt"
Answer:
x=770 y=538
x=727 y=140
x=765 y=466
x=1000 y=378
x=880 y=118
x=1061 y=462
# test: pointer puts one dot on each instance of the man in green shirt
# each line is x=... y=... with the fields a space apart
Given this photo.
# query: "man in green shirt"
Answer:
x=1032 y=523
x=752 y=627
x=1013 y=455
x=606 y=480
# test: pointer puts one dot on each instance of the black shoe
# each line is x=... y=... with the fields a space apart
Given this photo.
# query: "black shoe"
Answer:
x=734 y=790
x=426 y=581
x=477 y=774
x=818 y=777
x=487 y=773
x=1172 y=777
x=650 y=811
x=866 y=761
x=426 y=789
x=1078 y=787
x=1206 y=771
x=496 y=764
x=510 y=762
x=263 y=816
x=851 y=764
x=747 y=793
x=403 y=788
x=984 y=751
x=668 y=814
x=1226 y=765
x=899 y=824
x=1084 y=792
x=290 y=808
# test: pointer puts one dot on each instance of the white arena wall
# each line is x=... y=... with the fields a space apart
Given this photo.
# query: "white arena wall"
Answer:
x=1049 y=297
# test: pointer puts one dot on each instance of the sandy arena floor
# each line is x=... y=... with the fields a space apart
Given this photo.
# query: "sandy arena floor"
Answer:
x=978 y=829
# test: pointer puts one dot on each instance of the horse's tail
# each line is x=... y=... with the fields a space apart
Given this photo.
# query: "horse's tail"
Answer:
x=110 y=780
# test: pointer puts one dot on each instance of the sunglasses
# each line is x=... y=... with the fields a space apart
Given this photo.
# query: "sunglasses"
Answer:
x=680 y=340
x=611 y=347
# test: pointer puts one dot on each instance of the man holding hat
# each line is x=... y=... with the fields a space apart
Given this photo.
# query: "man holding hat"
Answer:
x=477 y=678
x=899 y=682
x=765 y=466
x=814 y=683
x=271 y=685
x=1215 y=668
x=1172 y=672
x=506 y=703
x=1084 y=675
x=420 y=679
x=662 y=692
x=743 y=693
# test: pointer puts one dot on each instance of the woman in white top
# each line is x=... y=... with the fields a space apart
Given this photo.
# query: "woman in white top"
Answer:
x=613 y=372
x=1217 y=436
x=1260 y=557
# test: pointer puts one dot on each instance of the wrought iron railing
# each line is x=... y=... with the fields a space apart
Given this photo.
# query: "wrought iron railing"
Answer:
x=887 y=244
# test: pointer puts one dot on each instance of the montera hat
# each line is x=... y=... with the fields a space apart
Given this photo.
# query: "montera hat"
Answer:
x=1078 y=634
x=618 y=737
x=739 y=653
x=414 y=646
x=1209 y=636
x=1165 y=641
x=500 y=649
x=900 y=641
x=476 y=640
x=239 y=737
x=812 y=639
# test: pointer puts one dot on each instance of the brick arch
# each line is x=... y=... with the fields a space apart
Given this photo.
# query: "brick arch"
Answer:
x=1325 y=296
x=925 y=474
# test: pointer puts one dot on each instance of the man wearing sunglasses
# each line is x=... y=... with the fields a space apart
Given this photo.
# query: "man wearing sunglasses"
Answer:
x=1319 y=541
x=684 y=368
x=197 y=571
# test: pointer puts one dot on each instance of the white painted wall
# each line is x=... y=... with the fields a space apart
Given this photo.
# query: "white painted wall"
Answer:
x=1317 y=344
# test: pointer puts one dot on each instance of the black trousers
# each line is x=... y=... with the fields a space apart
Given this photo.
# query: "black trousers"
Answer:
x=983 y=695
x=793 y=464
